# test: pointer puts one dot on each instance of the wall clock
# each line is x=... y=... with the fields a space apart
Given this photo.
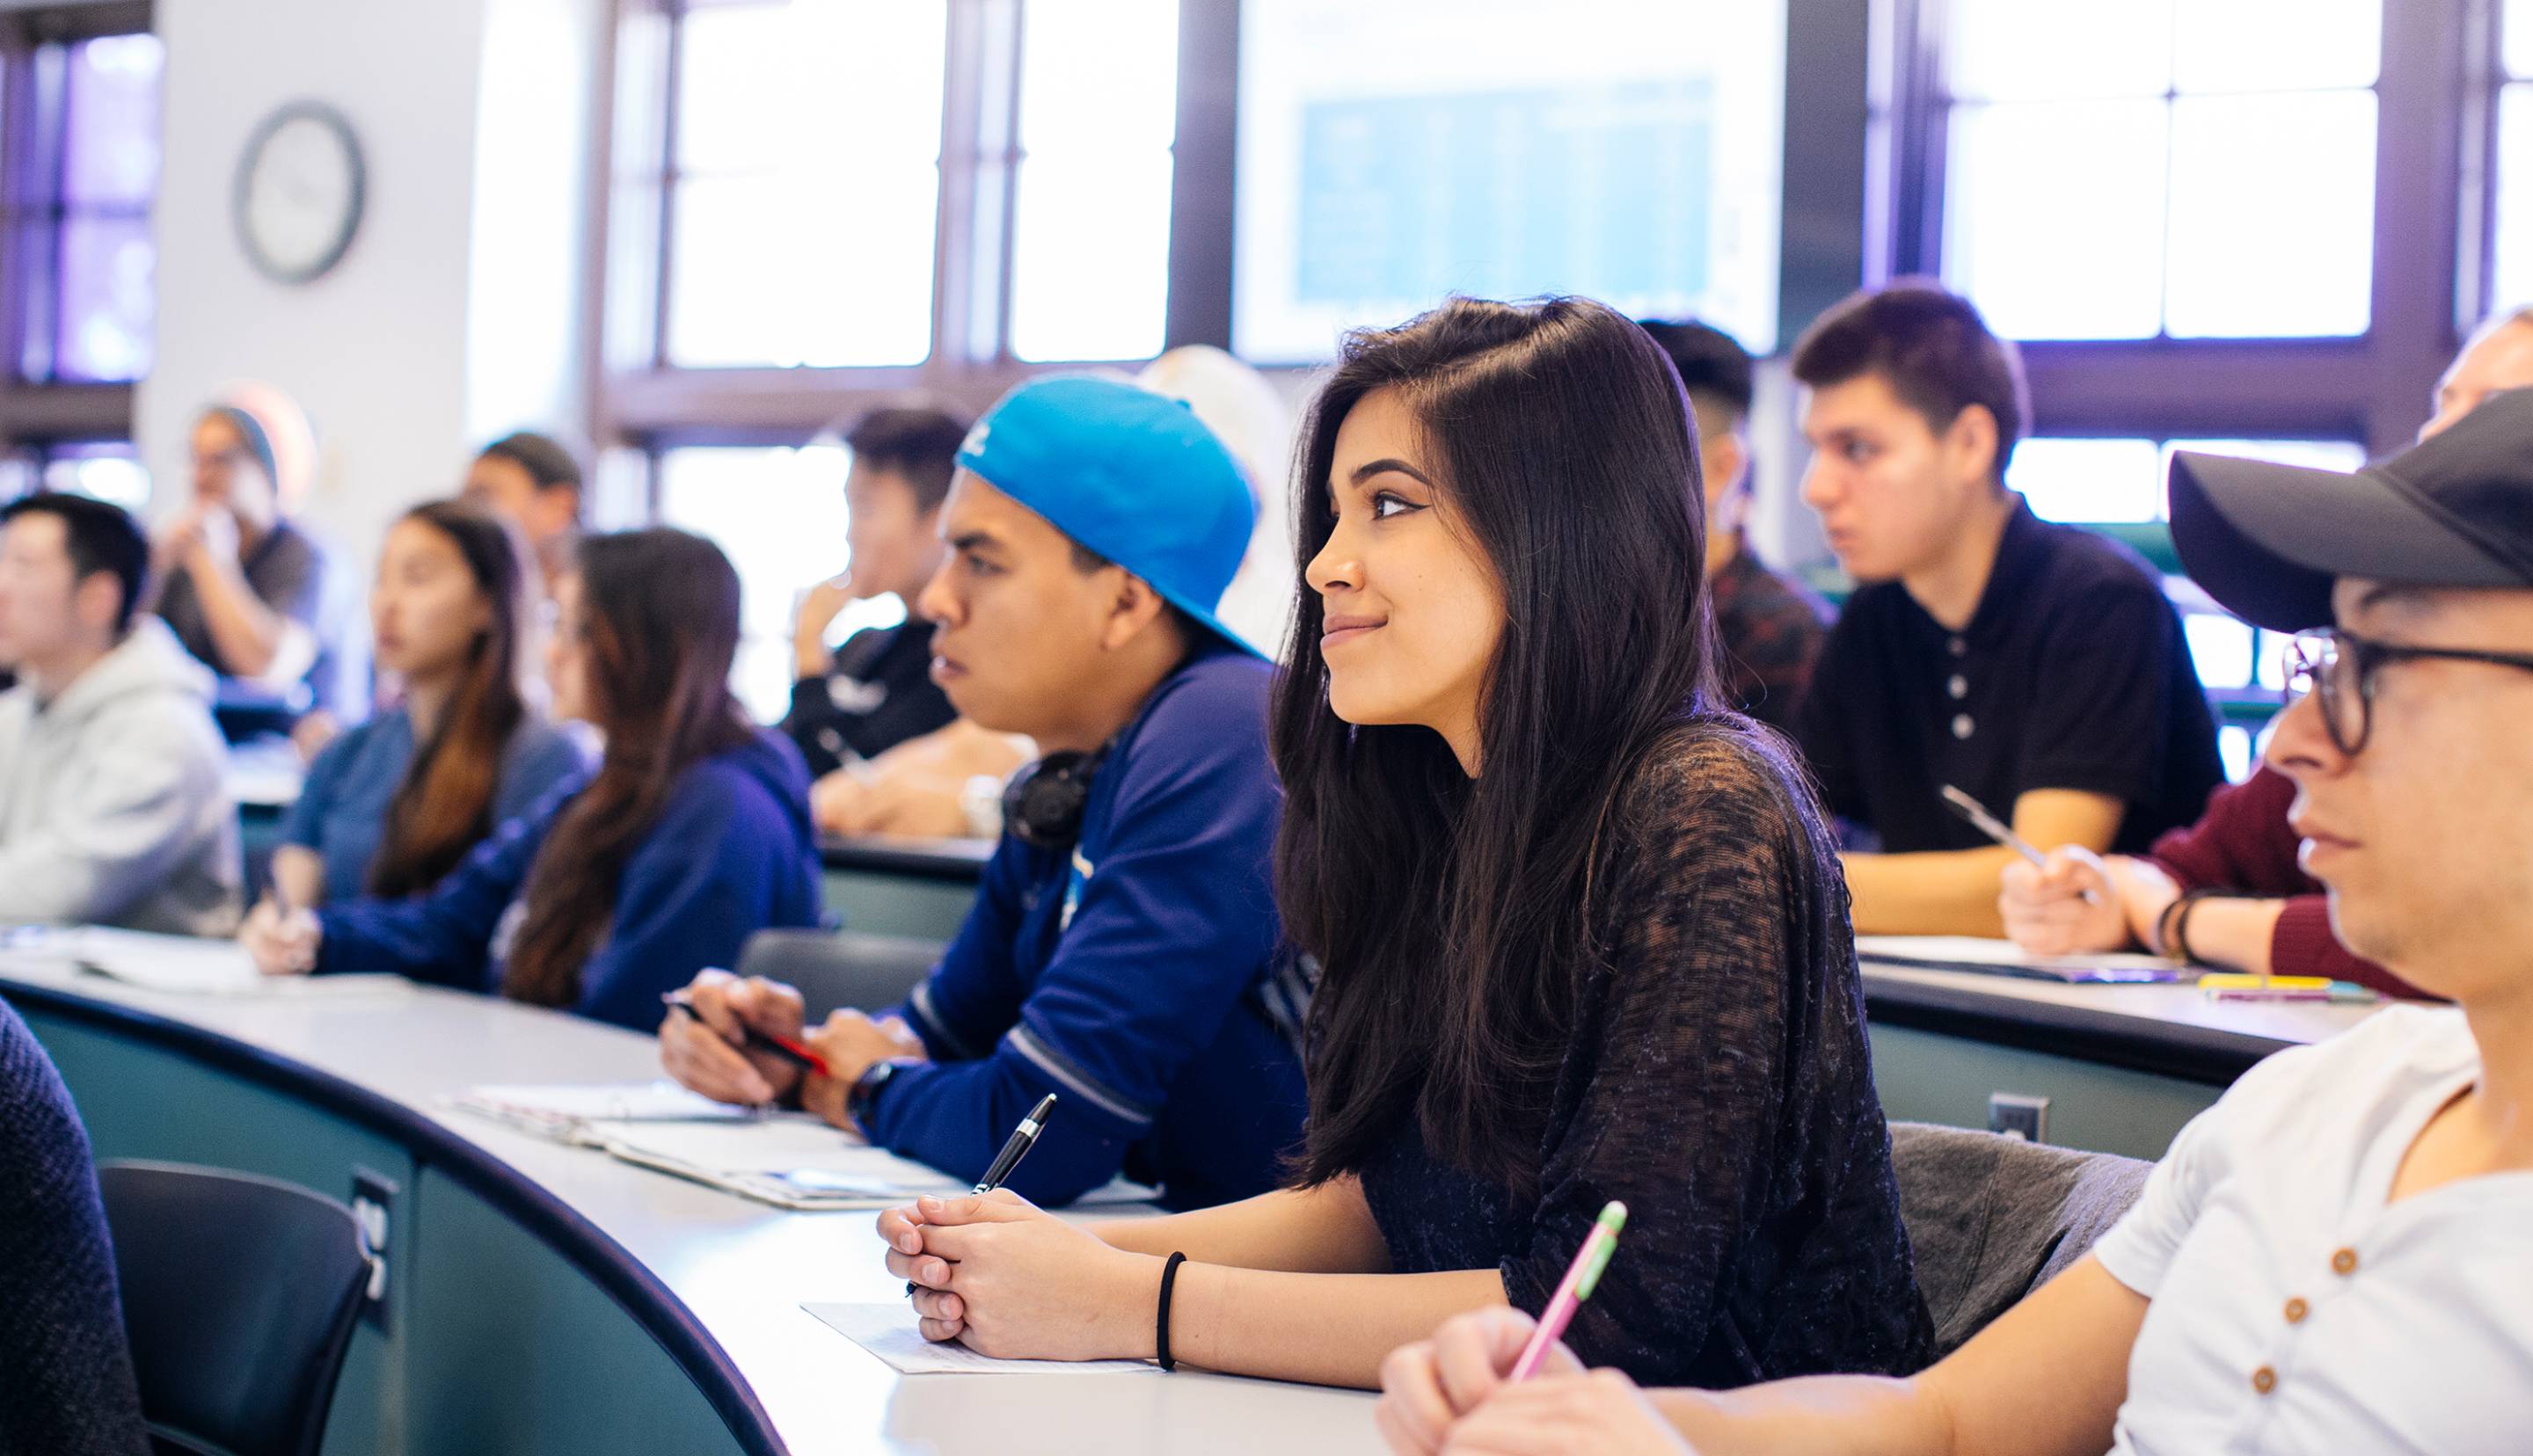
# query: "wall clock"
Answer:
x=297 y=197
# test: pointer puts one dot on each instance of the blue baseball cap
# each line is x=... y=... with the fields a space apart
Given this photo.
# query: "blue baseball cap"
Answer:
x=1126 y=473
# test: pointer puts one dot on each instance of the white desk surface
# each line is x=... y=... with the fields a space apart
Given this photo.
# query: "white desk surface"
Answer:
x=2172 y=1004
x=743 y=1269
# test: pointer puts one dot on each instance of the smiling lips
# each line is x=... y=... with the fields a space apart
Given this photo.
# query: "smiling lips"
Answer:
x=1335 y=631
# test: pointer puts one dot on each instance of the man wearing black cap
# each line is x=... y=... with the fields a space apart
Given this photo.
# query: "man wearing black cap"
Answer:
x=2333 y=1257
x=2227 y=889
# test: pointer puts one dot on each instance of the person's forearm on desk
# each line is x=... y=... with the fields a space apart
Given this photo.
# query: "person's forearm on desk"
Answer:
x=2236 y=934
x=1950 y=892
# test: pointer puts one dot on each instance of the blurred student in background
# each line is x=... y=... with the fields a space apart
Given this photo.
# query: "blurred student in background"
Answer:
x=2230 y=889
x=397 y=803
x=112 y=804
x=243 y=587
x=692 y=835
x=533 y=482
x=2037 y=668
x=1771 y=625
x=868 y=714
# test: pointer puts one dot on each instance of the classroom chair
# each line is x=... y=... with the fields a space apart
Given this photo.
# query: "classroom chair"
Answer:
x=1991 y=1218
x=239 y=1295
x=841 y=968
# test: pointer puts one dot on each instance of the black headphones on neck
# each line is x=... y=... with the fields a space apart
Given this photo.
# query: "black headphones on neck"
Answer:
x=1042 y=804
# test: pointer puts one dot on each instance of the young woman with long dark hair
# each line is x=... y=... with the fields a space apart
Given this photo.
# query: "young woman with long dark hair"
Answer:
x=394 y=804
x=693 y=834
x=1581 y=930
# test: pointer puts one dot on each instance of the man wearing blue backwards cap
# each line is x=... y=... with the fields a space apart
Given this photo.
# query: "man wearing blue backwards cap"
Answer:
x=1124 y=952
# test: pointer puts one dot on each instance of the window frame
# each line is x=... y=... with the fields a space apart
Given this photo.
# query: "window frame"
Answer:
x=637 y=413
x=37 y=416
x=2375 y=388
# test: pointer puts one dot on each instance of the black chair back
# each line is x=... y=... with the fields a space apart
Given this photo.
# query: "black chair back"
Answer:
x=239 y=1294
x=845 y=969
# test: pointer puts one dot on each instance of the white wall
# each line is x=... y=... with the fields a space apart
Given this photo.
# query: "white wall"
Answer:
x=431 y=331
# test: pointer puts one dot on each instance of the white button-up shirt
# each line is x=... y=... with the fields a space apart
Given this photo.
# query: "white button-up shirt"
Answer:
x=2295 y=1310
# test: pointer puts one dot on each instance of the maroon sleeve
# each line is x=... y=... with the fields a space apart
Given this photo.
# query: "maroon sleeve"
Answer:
x=2243 y=843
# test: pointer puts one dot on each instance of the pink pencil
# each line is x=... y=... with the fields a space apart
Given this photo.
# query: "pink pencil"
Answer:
x=1576 y=1287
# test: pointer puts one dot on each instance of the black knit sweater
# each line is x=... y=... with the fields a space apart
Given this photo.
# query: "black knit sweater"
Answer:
x=66 y=1386
x=1718 y=1082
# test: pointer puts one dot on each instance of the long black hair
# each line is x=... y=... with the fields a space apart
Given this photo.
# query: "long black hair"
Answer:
x=1452 y=917
x=660 y=609
x=443 y=807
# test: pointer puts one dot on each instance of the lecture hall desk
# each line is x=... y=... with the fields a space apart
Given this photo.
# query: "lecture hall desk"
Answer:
x=551 y=1300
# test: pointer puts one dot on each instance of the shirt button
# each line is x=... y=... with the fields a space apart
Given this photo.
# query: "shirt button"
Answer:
x=2297 y=1310
x=1958 y=647
x=1961 y=725
x=2265 y=1379
x=2344 y=1262
x=1959 y=687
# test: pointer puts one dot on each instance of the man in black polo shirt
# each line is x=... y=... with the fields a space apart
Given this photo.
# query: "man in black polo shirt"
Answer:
x=2037 y=668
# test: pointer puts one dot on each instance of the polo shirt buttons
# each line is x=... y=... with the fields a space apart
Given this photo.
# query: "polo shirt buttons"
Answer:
x=2297 y=1310
x=2265 y=1379
x=2344 y=1262
x=1959 y=647
x=1961 y=725
x=1959 y=687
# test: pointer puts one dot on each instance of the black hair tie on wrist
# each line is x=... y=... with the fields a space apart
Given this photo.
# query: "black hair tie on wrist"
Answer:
x=1161 y=1324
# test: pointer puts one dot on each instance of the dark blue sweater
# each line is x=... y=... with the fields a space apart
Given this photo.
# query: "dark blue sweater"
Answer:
x=733 y=853
x=1142 y=979
x=66 y=1386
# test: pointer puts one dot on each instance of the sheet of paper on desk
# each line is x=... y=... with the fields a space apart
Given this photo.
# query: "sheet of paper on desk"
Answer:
x=794 y=1160
x=888 y=1331
x=2004 y=958
x=578 y=1112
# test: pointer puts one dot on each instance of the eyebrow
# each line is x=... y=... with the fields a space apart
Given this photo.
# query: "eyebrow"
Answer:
x=968 y=540
x=2392 y=595
x=1383 y=466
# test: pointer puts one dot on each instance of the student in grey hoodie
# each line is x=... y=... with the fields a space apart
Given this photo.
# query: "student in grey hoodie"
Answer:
x=112 y=805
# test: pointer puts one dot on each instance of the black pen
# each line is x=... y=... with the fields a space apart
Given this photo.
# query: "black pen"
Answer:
x=1023 y=1138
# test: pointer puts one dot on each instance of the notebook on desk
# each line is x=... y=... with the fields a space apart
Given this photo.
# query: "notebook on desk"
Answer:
x=187 y=965
x=788 y=1159
x=2003 y=958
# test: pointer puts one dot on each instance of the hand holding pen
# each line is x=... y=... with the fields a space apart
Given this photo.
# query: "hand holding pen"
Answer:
x=1015 y=1147
x=1976 y=815
x=280 y=936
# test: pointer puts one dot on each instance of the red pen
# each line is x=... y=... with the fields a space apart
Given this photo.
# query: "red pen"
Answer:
x=764 y=1041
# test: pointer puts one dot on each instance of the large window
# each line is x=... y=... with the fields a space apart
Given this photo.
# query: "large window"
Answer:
x=79 y=174
x=804 y=180
x=2512 y=280
x=2205 y=167
x=822 y=206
